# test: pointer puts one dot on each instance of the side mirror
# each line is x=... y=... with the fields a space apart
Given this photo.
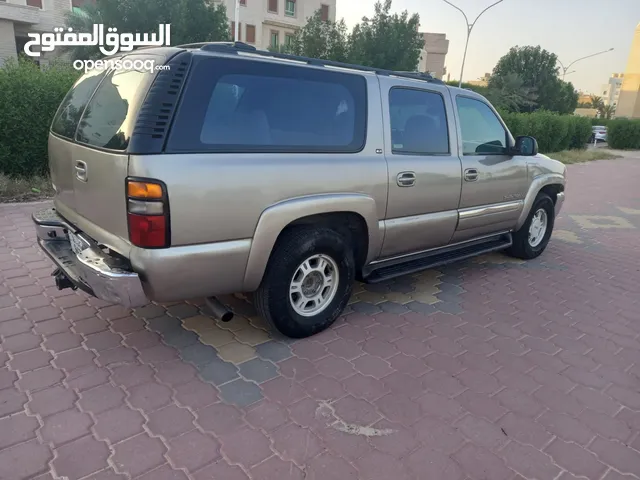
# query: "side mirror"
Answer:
x=526 y=146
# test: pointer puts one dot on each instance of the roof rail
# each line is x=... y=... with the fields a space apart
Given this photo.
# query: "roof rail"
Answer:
x=237 y=47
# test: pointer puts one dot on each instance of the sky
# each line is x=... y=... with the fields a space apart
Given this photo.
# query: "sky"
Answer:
x=569 y=28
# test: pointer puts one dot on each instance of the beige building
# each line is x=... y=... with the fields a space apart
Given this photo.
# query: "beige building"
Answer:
x=269 y=23
x=611 y=90
x=629 y=100
x=482 y=81
x=434 y=53
x=19 y=17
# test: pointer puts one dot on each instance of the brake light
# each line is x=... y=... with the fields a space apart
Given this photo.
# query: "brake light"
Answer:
x=147 y=213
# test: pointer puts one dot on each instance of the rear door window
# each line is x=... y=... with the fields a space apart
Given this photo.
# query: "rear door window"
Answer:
x=235 y=105
x=67 y=118
x=108 y=118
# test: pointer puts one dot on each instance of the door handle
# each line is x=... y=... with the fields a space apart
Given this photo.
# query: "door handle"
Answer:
x=471 y=174
x=406 y=179
x=81 y=170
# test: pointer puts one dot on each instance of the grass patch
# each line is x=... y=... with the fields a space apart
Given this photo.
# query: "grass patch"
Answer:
x=24 y=190
x=579 y=156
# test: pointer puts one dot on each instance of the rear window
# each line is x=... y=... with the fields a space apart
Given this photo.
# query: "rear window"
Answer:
x=108 y=118
x=235 y=105
x=65 y=122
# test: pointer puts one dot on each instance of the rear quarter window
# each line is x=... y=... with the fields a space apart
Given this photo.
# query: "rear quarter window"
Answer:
x=65 y=122
x=233 y=105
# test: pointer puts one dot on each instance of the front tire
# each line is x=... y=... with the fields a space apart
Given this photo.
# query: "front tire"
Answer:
x=307 y=283
x=532 y=238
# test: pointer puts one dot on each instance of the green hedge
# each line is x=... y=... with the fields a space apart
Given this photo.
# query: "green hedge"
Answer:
x=29 y=98
x=624 y=134
x=552 y=131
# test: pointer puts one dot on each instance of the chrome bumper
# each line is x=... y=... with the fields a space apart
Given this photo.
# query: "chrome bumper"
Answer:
x=559 y=202
x=90 y=270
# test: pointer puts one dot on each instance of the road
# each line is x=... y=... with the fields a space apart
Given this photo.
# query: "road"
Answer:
x=492 y=369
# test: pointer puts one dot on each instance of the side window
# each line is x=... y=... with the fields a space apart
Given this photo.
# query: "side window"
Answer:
x=418 y=122
x=65 y=123
x=241 y=106
x=108 y=115
x=482 y=132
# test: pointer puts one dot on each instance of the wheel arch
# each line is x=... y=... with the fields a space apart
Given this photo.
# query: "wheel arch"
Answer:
x=352 y=214
x=550 y=183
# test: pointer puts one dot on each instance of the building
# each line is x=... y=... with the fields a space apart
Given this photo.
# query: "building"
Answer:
x=433 y=55
x=584 y=98
x=271 y=23
x=482 y=81
x=629 y=99
x=611 y=90
x=19 y=17
x=263 y=23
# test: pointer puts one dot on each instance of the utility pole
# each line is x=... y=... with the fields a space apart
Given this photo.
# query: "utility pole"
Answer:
x=469 y=28
x=564 y=69
x=237 y=22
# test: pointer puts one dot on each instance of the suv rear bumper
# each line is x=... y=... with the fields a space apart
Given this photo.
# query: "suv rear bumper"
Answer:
x=88 y=268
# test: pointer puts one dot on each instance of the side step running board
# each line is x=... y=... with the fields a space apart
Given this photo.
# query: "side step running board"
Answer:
x=437 y=258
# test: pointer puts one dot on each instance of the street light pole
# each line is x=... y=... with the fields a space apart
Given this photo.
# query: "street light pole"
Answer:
x=237 y=22
x=469 y=28
x=564 y=69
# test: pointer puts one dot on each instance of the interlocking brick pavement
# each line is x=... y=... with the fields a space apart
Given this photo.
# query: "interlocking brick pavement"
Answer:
x=490 y=369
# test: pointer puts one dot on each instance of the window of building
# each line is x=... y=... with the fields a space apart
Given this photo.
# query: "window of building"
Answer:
x=65 y=122
x=109 y=113
x=268 y=107
x=290 y=8
x=275 y=39
x=418 y=122
x=250 y=34
x=243 y=3
x=288 y=39
x=324 y=12
x=482 y=132
x=273 y=6
x=35 y=3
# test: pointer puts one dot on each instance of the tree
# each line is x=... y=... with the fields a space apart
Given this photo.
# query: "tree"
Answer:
x=539 y=72
x=387 y=41
x=509 y=93
x=320 y=39
x=191 y=20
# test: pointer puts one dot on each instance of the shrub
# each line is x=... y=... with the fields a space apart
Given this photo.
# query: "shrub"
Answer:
x=552 y=131
x=624 y=134
x=29 y=97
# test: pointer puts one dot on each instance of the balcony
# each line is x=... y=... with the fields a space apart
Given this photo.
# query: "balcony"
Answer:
x=20 y=11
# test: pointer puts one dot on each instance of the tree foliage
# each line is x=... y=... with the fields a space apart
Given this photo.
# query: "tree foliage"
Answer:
x=191 y=20
x=388 y=41
x=539 y=73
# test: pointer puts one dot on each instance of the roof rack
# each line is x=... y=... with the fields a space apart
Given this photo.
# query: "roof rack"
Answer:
x=237 y=47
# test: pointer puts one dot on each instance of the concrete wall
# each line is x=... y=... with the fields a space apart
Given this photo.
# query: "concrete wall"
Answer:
x=629 y=101
x=7 y=41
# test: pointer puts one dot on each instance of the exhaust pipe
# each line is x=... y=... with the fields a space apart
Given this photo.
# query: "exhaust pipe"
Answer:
x=220 y=311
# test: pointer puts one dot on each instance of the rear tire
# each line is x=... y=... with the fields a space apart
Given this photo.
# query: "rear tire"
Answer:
x=307 y=283
x=532 y=238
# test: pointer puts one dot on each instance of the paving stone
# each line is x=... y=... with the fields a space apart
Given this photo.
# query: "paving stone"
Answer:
x=49 y=401
x=24 y=460
x=118 y=424
x=171 y=421
x=199 y=354
x=240 y=392
x=218 y=372
x=81 y=458
x=246 y=447
x=17 y=429
x=66 y=426
x=258 y=370
x=273 y=351
x=193 y=450
x=138 y=455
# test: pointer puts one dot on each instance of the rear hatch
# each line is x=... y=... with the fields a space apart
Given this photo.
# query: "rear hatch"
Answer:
x=88 y=143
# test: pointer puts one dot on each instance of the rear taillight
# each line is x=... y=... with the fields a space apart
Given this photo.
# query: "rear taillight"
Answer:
x=148 y=213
